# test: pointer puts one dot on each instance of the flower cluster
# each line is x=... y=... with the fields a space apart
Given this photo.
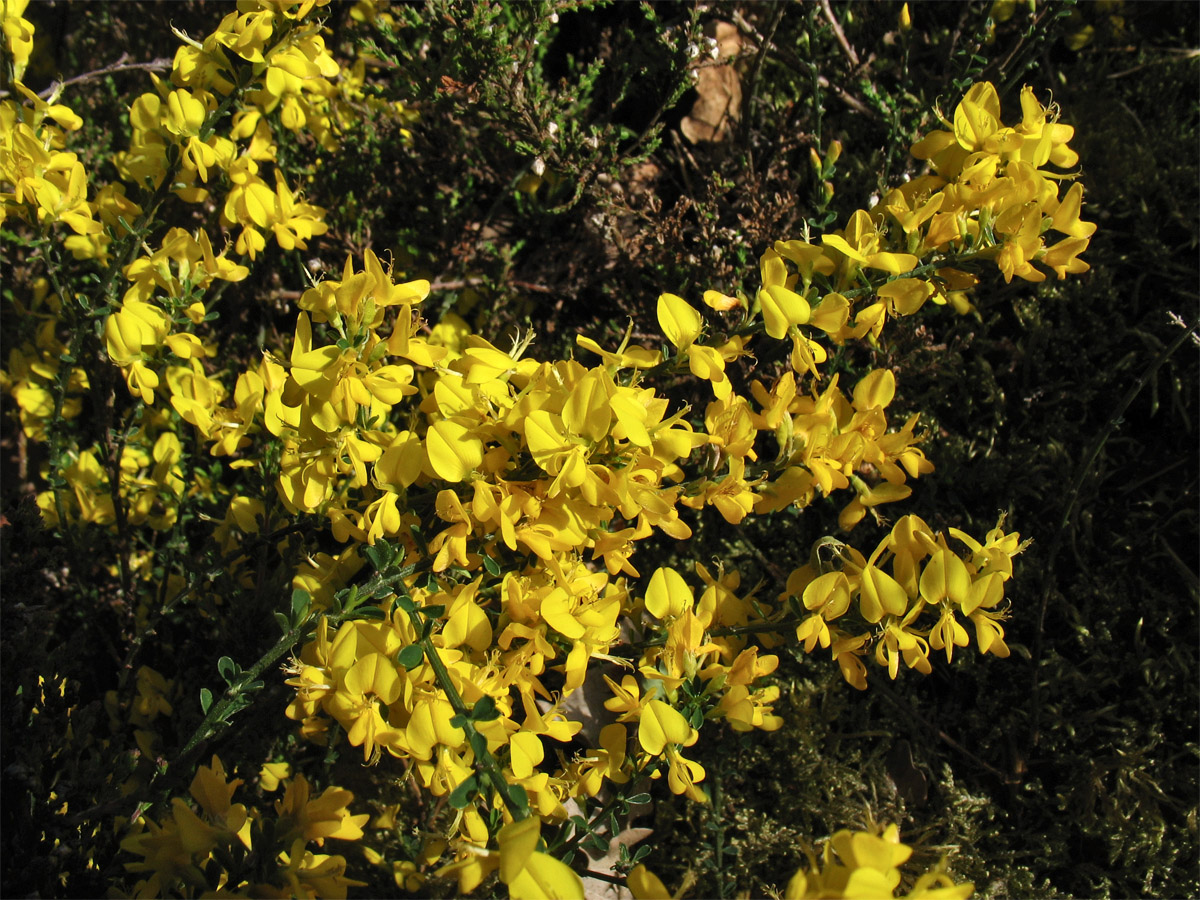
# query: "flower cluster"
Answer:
x=928 y=579
x=854 y=864
x=495 y=503
x=181 y=852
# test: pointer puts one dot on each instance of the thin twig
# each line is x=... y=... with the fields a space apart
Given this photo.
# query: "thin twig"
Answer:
x=1085 y=468
x=121 y=65
x=752 y=83
x=839 y=34
x=908 y=708
x=459 y=283
x=847 y=98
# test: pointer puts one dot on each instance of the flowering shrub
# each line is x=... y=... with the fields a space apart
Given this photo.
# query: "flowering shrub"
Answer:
x=447 y=530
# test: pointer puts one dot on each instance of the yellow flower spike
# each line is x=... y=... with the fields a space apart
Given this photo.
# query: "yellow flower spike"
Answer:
x=214 y=794
x=661 y=724
x=399 y=466
x=859 y=242
x=679 y=321
x=196 y=836
x=371 y=681
x=430 y=726
x=809 y=258
x=18 y=32
x=184 y=114
x=483 y=363
x=466 y=623
x=326 y=816
x=134 y=329
x=557 y=609
x=625 y=357
x=473 y=865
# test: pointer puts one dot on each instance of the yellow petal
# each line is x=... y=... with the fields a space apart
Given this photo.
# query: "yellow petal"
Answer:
x=545 y=878
x=880 y=593
x=680 y=323
x=454 y=452
x=518 y=840
x=945 y=576
x=668 y=594
x=645 y=885
x=876 y=390
x=525 y=753
x=660 y=725
x=587 y=412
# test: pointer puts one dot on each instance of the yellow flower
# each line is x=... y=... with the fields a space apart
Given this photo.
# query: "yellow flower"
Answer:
x=370 y=682
x=316 y=819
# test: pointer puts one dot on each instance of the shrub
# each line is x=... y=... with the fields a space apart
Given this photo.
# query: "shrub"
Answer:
x=462 y=548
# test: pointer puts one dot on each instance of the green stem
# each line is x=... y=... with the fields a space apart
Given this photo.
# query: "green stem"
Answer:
x=485 y=761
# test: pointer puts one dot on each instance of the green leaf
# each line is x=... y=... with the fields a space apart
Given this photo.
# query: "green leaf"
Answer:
x=301 y=603
x=460 y=797
x=638 y=799
x=521 y=798
x=485 y=709
x=369 y=612
x=478 y=743
x=284 y=625
x=375 y=556
x=205 y=700
x=406 y=603
x=228 y=669
x=458 y=720
x=411 y=656
x=491 y=565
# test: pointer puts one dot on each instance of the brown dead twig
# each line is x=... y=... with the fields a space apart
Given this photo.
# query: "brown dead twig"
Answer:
x=121 y=65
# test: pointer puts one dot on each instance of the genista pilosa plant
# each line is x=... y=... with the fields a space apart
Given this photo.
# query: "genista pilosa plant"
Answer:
x=460 y=521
